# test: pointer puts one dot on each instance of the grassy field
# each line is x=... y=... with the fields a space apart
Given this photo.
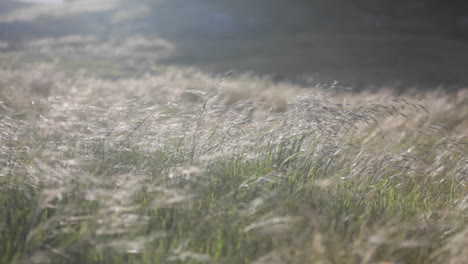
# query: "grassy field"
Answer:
x=178 y=166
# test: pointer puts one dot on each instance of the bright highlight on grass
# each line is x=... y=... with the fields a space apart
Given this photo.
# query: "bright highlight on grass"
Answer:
x=182 y=167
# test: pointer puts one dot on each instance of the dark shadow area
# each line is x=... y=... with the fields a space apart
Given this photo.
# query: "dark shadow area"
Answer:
x=360 y=43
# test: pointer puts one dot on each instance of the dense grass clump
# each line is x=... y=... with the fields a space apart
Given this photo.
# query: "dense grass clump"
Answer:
x=179 y=167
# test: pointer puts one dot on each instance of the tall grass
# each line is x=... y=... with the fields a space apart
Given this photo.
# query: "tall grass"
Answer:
x=181 y=167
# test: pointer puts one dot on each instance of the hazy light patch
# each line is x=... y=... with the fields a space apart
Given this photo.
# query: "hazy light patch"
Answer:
x=57 y=10
x=42 y=1
x=4 y=45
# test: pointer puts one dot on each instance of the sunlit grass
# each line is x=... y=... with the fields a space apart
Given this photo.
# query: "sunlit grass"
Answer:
x=182 y=167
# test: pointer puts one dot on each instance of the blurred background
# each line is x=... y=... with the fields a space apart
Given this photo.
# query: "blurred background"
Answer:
x=362 y=44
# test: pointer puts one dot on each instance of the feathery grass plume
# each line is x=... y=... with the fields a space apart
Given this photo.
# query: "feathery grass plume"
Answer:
x=172 y=167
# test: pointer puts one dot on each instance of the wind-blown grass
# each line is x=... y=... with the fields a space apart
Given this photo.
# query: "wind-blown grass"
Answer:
x=182 y=167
